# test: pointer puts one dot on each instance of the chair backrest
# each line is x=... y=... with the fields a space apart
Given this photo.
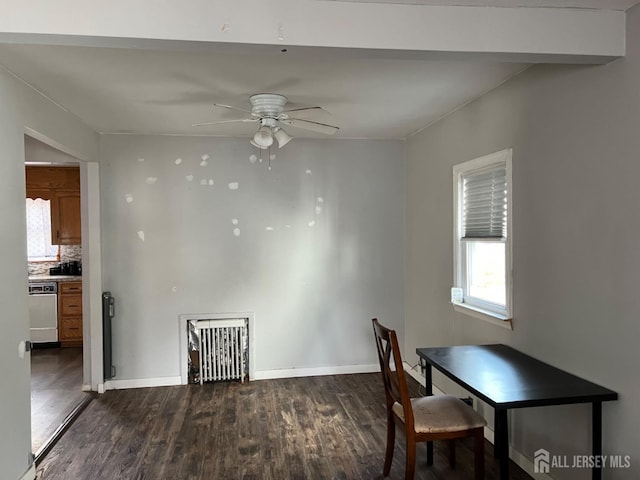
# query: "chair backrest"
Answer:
x=393 y=376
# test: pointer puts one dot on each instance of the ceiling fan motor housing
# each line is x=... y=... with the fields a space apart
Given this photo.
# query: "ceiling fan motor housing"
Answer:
x=267 y=104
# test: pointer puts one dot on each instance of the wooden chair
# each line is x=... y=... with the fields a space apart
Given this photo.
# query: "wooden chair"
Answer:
x=423 y=419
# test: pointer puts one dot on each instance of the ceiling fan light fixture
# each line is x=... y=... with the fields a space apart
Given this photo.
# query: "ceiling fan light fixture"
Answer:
x=252 y=142
x=281 y=136
x=263 y=137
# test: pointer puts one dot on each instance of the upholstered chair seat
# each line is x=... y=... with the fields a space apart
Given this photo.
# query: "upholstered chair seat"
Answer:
x=441 y=413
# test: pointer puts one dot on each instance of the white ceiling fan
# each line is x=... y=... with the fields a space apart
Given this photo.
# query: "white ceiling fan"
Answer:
x=268 y=110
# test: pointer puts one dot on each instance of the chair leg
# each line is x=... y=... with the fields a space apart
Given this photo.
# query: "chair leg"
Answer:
x=410 y=466
x=391 y=439
x=452 y=453
x=478 y=451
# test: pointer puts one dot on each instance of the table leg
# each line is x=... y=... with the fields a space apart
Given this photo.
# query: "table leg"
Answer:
x=496 y=434
x=428 y=379
x=501 y=442
x=596 y=437
x=428 y=387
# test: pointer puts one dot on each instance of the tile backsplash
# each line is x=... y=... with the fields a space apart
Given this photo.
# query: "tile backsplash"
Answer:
x=67 y=253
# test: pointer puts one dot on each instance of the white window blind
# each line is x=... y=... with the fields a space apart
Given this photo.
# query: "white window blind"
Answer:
x=484 y=203
x=39 y=247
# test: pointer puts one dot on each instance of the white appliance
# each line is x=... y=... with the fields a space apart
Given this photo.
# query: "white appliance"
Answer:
x=43 y=312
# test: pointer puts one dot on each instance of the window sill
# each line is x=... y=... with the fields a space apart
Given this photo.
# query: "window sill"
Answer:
x=486 y=315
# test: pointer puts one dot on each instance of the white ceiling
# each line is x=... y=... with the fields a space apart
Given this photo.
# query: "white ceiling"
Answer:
x=591 y=4
x=165 y=92
x=145 y=91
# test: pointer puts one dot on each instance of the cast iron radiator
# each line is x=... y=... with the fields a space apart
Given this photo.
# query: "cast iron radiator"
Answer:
x=223 y=349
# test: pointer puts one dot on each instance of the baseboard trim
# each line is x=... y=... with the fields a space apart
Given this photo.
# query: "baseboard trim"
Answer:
x=142 y=383
x=417 y=376
x=525 y=464
x=314 y=371
x=259 y=375
x=86 y=388
x=516 y=456
x=30 y=474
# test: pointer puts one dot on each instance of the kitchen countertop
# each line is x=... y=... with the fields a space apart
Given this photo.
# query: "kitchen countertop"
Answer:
x=55 y=278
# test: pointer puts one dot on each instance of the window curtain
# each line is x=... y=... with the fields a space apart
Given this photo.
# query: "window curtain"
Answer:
x=39 y=247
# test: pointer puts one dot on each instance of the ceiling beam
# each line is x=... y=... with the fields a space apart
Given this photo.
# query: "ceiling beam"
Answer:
x=511 y=34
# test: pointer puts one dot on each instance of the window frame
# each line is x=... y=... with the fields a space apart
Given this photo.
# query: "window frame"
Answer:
x=470 y=305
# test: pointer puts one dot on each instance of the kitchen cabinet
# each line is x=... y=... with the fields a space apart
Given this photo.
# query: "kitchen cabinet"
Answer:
x=70 y=314
x=60 y=185
x=65 y=219
x=52 y=178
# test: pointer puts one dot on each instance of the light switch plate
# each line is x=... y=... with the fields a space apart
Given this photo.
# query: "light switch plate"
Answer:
x=23 y=347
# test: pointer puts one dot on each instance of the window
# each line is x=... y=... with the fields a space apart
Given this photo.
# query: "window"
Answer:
x=482 y=236
x=39 y=246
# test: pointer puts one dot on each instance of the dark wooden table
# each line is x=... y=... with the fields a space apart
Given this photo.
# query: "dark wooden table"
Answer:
x=505 y=378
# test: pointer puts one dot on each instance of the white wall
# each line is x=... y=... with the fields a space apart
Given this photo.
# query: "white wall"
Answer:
x=313 y=289
x=574 y=133
x=15 y=439
x=38 y=152
x=22 y=108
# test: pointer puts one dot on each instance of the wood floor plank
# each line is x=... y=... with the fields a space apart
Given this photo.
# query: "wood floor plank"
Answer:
x=56 y=389
x=310 y=428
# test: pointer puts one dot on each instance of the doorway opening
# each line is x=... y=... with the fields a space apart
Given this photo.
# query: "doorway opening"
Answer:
x=54 y=245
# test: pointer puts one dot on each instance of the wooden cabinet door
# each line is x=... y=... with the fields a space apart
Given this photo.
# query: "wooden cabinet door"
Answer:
x=40 y=193
x=70 y=331
x=70 y=313
x=70 y=305
x=65 y=219
x=52 y=178
x=72 y=288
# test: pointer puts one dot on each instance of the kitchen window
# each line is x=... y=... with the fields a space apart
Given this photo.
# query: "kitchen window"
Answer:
x=39 y=247
x=482 y=237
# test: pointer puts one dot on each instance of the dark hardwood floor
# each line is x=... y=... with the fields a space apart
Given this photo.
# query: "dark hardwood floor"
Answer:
x=56 y=388
x=330 y=427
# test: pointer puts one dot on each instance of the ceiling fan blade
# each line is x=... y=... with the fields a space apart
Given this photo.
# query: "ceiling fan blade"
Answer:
x=313 y=126
x=304 y=109
x=241 y=120
x=231 y=107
